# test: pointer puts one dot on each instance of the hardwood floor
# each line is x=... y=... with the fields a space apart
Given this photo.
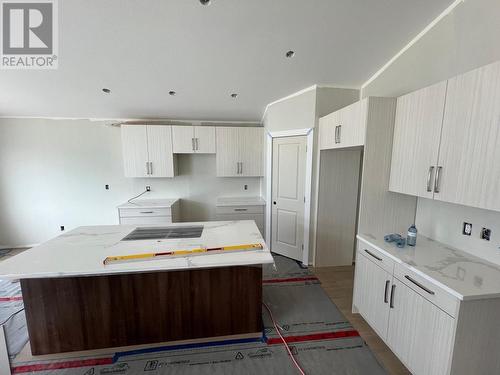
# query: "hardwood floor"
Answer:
x=338 y=284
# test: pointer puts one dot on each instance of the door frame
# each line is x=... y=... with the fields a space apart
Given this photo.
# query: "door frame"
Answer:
x=309 y=133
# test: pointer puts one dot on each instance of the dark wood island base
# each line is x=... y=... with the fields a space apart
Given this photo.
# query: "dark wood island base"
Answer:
x=92 y=312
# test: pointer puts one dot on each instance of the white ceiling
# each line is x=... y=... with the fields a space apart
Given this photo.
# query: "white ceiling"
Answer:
x=143 y=49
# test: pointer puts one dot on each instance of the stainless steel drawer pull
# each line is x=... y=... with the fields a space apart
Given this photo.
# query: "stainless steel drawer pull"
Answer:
x=429 y=179
x=419 y=285
x=437 y=180
x=146 y=212
x=386 y=297
x=373 y=255
x=393 y=288
x=241 y=209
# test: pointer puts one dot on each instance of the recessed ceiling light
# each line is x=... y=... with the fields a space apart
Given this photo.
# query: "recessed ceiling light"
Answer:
x=290 y=54
x=106 y=91
x=205 y=2
x=172 y=93
x=234 y=95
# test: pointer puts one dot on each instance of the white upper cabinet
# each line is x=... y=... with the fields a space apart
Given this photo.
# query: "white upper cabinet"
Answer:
x=239 y=151
x=147 y=151
x=416 y=141
x=345 y=127
x=135 y=150
x=193 y=139
x=469 y=157
x=447 y=141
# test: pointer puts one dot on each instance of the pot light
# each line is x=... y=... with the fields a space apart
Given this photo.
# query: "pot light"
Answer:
x=290 y=54
x=205 y=2
x=106 y=90
x=234 y=95
x=172 y=93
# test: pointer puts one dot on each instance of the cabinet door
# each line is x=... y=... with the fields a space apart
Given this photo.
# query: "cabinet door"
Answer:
x=160 y=153
x=204 y=139
x=327 y=131
x=419 y=117
x=228 y=153
x=352 y=125
x=470 y=141
x=251 y=151
x=135 y=150
x=371 y=293
x=419 y=333
x=183 y=140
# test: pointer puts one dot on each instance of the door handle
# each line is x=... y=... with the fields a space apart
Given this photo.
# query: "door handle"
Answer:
x=429 y=179
x=386 y=297
x=393 y=288
x=437 y=180
x=274 y=202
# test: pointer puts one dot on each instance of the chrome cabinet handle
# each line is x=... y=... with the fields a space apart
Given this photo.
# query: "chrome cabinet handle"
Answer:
x=429 y=179
x=336 y=134
x=393 y=288
x=238 y=167
x=241 y=209
x=192 y=143
x=386 y=298
x=147 y=168
x=241 y=167
x=196 y=140
x=419 y=285
x=146 y=212
x=437 y=180
x=151 y=168
x=373 y=255
x=340 y=134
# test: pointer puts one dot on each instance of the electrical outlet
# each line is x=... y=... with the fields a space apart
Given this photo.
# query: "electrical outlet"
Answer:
x=106 y=187
x=485 y=234
x=62 y=228
x=245 y=187
x=467 y=229
x=148 y=188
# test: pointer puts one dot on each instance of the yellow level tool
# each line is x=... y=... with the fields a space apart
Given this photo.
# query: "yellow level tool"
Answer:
x=177 y=253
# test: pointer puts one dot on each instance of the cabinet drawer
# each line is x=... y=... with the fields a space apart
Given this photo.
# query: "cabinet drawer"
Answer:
x=146 y=220
x=427 y=289
x=144 y=212
x=376 y=256
x=240 y=210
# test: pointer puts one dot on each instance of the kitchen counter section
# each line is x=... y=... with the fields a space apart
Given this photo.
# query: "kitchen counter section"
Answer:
x=463 y=275
x=81 y=251
x=240 y=201
x=149 y=203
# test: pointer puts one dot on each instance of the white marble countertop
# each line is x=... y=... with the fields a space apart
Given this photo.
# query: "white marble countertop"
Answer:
x=81 y=252
x=240 y=201
x=460 y=273
x=149 y=203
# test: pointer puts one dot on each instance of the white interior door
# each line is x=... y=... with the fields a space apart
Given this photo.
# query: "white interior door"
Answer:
x=288 y=184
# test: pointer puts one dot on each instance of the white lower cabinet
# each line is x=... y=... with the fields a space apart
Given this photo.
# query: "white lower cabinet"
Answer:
x=419 y=333
x=429 y=328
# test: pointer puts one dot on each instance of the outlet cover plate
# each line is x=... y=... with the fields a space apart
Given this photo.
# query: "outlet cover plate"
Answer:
x=467 y=229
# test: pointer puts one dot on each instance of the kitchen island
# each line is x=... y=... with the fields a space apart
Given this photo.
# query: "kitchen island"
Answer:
x=75 y=302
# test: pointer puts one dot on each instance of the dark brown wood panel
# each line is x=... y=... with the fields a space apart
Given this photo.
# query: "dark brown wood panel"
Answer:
x=81 y=313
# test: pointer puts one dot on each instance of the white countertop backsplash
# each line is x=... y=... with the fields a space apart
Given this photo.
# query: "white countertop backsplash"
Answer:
x=462 y=274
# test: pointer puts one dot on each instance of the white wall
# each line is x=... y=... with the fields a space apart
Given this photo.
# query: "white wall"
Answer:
x=464 y=40
x=53 y=172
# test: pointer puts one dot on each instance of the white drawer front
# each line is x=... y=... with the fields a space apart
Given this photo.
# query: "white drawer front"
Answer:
x=135 y=212
x=240 y=210
x=146 y=220
x=376 y=256
x=427 y=289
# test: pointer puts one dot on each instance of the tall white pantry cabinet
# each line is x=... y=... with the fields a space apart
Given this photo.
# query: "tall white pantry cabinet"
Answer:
x=447 y=141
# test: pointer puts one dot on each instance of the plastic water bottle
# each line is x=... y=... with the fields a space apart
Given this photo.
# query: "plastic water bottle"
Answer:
x=411 y=239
